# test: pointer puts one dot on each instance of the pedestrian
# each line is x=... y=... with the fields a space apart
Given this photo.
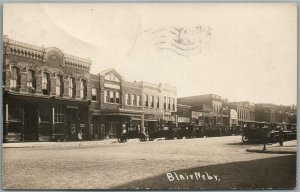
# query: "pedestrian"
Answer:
x=281 y=136
x=79 y=136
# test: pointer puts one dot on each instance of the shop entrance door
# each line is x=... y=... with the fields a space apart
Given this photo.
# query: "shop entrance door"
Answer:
x=30 y=131
x=72 y=125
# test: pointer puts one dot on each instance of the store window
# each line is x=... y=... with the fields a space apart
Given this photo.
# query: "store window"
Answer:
x=59 y=116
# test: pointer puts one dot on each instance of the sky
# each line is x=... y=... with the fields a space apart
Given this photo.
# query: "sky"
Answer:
x=242 y=52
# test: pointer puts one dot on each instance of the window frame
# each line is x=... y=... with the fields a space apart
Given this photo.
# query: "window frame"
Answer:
x=15 y=81
x=46 y=88
x=94 y=95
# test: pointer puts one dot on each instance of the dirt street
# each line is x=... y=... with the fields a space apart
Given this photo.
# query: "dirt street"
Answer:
x=156 y=165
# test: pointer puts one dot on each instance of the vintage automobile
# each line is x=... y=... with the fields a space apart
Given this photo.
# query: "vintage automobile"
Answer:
x=131 y=132
x=199 y=131
x=166 y=132
x=257 y=132
x=186 y=131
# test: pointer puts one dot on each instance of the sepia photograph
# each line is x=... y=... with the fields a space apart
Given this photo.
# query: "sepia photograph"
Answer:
x=149 y=96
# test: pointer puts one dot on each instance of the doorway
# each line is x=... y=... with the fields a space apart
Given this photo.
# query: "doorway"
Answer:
x=30 y=122
x=71 y=120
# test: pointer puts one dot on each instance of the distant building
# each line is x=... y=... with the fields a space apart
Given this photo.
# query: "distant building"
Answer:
x=245 y=111
x=211 y=104
x=265 y=112
x=233 y=118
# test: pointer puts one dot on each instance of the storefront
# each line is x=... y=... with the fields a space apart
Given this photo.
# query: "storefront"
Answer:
x=33 y=118
x=109 y=125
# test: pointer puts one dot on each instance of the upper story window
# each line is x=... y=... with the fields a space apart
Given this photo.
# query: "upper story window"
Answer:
x=138 y=100
x=31 y=80
x=112 y=77
x=106 y=100
x=59 y=86
x=127 y=99
x=72 y=87
x=111 y=97
x=132 y=100
x=15 y=81
x=46 y=83
x=151 y=101
x=94 y=94
x=146 y=100
x=165 y=102
x=174 y=104
x=169 y=103
x=83 y=89
x=117 y=97
x=157 y=102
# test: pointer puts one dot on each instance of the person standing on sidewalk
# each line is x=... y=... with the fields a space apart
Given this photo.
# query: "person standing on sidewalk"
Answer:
x=281 y=136
x=79 y=136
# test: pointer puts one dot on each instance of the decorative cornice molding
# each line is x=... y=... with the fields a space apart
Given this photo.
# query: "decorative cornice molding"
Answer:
x=40 y=53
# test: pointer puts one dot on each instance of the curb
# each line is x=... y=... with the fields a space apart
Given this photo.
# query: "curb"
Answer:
x=271 y=151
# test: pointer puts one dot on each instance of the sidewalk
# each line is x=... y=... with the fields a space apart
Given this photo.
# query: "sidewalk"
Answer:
x=65 y=143
x=289 y=147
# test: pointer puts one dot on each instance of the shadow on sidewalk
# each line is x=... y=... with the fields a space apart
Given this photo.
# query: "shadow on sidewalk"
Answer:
x=269 y=173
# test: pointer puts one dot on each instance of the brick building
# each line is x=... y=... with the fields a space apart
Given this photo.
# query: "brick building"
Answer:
x=245 y=111
x=46 y=93
x=50 y=95
x=135 y=106
x=210 y=105
x=265 y=112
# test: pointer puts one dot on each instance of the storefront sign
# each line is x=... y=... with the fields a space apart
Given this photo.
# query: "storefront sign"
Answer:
x=169 y=118
x=82 y=125
x=113 y=86
x=184 y=119
x=196 y=114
